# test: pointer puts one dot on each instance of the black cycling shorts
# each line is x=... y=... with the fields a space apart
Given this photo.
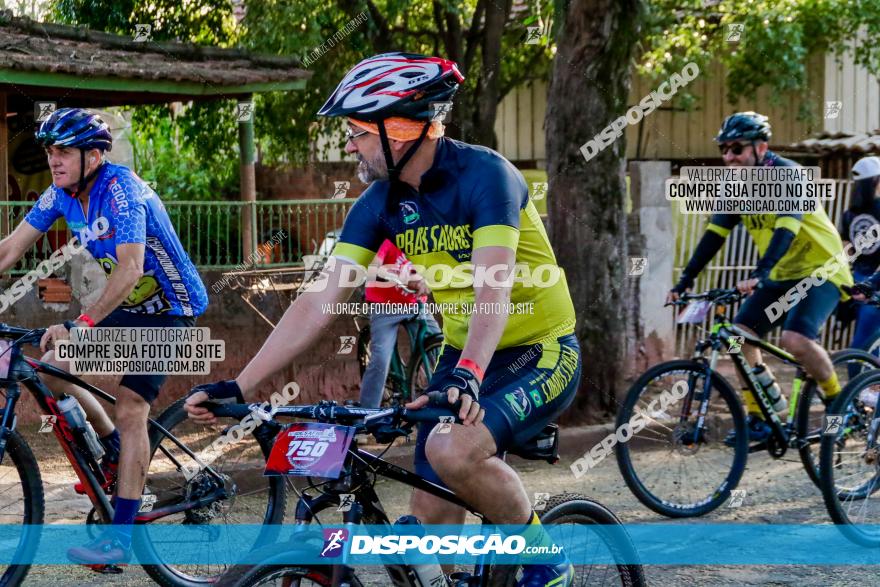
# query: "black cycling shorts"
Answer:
x=806 y=316
x=525 y=388
x=146 y=386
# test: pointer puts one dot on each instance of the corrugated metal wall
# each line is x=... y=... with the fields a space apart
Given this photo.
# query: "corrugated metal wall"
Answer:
x=859 y=94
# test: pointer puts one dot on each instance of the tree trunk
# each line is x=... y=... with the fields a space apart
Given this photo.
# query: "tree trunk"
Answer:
x=589 y=87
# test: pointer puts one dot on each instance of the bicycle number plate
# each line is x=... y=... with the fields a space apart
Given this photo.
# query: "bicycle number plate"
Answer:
x=5 y=356
x=310 y=449
x=694 y=312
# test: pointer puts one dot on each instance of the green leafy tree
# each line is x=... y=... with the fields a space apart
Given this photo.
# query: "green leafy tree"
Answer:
x=485 y=37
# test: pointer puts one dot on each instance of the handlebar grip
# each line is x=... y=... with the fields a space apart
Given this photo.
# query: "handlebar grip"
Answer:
x=237 y=411
x=430 y=415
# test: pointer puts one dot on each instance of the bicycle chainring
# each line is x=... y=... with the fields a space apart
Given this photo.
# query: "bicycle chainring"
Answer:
x=775 y=448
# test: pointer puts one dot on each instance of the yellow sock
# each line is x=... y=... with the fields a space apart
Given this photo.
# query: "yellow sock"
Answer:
x=831 y=386
x=536 y=535
x=751 y=404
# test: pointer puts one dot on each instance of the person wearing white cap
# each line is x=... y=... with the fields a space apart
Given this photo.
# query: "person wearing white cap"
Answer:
x=863 y=213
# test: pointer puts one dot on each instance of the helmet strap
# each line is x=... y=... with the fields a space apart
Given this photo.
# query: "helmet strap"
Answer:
x=758 y=159
x=85 y=179
x=395 y=169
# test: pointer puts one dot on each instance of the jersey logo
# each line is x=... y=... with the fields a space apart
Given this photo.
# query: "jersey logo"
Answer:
x=47 y=200
x=859 y=227
x=410 y=212
x=518 y=403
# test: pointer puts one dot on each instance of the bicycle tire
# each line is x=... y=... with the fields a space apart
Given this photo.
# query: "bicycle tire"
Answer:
x=34 y=506
x=169 y=575
x=252 y=575
x=831 y=495
x=622 y=450
x=802 y=418
x=582 y=510
x=363 y=349
x=431 y=344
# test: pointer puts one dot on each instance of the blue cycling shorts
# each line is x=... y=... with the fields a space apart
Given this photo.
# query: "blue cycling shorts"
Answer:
x=805 y=317
x=525 y=388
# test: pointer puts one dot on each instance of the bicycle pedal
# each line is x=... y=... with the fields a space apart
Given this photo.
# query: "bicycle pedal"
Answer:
x=105 y=569
x=463 y=579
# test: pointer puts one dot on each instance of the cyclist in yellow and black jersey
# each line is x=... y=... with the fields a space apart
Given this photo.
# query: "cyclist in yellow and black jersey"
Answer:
x=791 y=248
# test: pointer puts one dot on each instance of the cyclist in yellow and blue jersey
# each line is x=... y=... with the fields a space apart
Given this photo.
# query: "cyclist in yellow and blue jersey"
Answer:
x=463 y=213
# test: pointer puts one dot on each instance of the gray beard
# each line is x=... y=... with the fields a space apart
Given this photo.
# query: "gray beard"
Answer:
x=369 y=172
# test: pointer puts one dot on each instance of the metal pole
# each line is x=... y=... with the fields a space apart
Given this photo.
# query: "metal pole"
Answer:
x=248 y=177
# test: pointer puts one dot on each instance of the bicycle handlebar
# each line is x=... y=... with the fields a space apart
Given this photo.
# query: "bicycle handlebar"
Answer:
x=22 y=335
x=330 y=412
x=713 y=295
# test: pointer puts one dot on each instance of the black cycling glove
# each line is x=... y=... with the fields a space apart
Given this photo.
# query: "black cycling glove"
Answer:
x=463 y=379
x=222 y=392
x=865 y=288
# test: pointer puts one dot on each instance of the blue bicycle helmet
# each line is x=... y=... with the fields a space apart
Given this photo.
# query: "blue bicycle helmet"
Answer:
x=77 y=128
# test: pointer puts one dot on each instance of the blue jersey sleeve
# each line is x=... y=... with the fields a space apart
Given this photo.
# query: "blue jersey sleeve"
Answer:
x=129 y=210
x=496 y=204
x=361 y=234
x=46 y=211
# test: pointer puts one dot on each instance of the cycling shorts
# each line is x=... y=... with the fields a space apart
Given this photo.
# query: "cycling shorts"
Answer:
x=525 y=388
x=146 y=386
x=806 y=317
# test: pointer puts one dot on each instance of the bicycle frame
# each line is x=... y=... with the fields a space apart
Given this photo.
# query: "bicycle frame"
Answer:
x=24 y=370
x=722 y=332
x=358 y=465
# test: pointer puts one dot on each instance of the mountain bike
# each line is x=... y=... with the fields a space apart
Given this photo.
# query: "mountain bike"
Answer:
x=405 y=381
x=218 y=492
x=357 y=474
x=849 y=458
x=678 y=464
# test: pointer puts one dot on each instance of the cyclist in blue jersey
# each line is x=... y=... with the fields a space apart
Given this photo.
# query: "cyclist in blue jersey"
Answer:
x=454 y=209
x=152 y=283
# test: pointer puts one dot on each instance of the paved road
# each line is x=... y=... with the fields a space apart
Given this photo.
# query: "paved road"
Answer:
x=778 y=492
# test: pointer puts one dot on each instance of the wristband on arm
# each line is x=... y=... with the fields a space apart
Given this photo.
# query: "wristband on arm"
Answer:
x=472 y=367
x=87 y=319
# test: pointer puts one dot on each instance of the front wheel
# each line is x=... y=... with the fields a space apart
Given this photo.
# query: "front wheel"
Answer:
x=849 y=460
x=672 y=463
x=251 y=498
x=848 y=364
x=601 y=534
x=275 y=569
x=21 y=504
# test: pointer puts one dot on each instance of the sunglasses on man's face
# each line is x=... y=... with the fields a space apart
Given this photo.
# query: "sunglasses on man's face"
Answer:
x=736 y=148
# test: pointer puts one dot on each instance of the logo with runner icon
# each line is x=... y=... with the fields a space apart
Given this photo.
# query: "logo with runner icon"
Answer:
x=334 y=540
x=410 y=212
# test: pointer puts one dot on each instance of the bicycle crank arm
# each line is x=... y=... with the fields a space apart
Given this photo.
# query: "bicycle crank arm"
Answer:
x=163 y=511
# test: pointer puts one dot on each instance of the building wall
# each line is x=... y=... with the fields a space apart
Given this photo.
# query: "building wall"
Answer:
x=859 y=94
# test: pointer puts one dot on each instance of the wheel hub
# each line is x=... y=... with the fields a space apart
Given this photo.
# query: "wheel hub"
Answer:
x=202 y=485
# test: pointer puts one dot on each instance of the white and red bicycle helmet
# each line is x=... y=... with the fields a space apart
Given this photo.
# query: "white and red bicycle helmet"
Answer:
x=394 y=85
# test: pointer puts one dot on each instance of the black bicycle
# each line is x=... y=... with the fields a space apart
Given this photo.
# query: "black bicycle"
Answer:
x=357 y=478
x=183 y=486
x=678 y=463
